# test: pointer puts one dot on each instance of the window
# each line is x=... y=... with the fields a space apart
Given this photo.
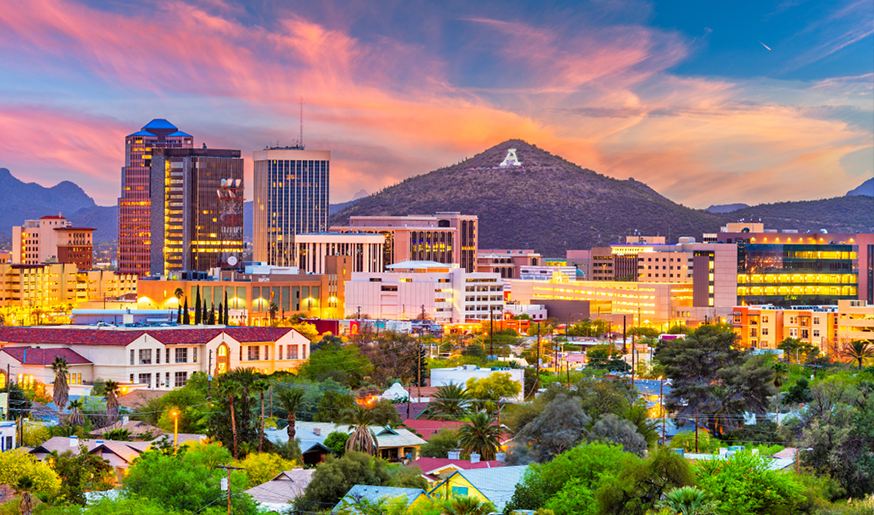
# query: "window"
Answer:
x=167 y=378
x=292 y=352
x=279 y=353
x=764 y=319
x=764 y=331
x=459 y=490
x=194 y=355
x=266 y=352
x=157 y=356
x=816 y=333
x=131 y=379
x=168 y=362
x=145 y=356
x=793 y=332
x=146 y=379
x=180 y=379
x=182 y=355
x=254 y=353
x=132 y=358
x=8 y=443
x=815 y=320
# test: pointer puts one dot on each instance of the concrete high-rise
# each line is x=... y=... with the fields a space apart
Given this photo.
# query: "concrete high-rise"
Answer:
x=196 y=209
x=291 y=197
x=134 y=205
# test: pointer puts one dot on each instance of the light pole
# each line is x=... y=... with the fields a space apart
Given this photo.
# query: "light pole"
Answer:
x=175 y=414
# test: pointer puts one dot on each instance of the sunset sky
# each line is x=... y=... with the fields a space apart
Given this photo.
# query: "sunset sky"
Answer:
x=707 y=102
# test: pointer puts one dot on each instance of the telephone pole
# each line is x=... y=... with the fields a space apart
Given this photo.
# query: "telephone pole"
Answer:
x=537 y=366
x=491 y=333
x=229 y=469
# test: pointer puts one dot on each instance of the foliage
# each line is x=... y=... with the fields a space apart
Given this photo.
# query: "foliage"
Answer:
x=187 y=481
x=289 y=450
x=799 y=393
x=687 y=500
x=19 y=404
x=79 y=473
x=744 y=484
x=336 y=441
x=467 y=505
x=336 y=476
x=385 y=413
x=439 y=445
x=619 y=431
x=858 y=351
x=261 y=467
x=362 y=438
x=35 y=434
x=332 y=405
x=291 y=401
x=117 y=434
x=641 y=483
x=796 y=350
x=560 y=426
x=406 y=476
x=481 y=436
x=686 y=440
x=342 y=363
x=487 y=393
x=19 y=463
x=448 y=403
x=599 y=397
x=234 y=391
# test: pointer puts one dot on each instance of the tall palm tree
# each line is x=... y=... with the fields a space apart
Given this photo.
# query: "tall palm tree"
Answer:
x=76 y=418
x=480 y=436
x=858 y=350
x=230 y=389
x=449 y=402
x=291 y=401
x=467 y=505
x=687 y=500
x=24 y=487
x=361 y=439
x=110 y=392
x=61 y=388
x=261 y=386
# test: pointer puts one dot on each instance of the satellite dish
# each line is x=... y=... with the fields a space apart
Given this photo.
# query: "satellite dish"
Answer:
x=232 y=260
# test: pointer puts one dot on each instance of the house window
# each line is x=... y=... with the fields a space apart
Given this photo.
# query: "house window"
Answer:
x=194 y=355
x=167 y=379
x=303 y=349
x=132 y=358
x=146 y=379
x=764 y=331
x=168 y=359
x=459 y=490
x=157 y=356
x=292 y=352
x=254 y=353
x=793 y=332
x=131 y=379
x=182 y=355
x=815 y=320
x=279 y=353
x=816 y=333
x=145 y=356
x=266 y=352
x=180 y=379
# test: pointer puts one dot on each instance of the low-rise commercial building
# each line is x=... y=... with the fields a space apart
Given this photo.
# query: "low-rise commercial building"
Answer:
x=508 y=263
x=443 y=293
x=855 y=321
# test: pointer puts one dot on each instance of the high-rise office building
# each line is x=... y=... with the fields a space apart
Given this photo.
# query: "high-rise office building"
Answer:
x=291 y=197
x=52 y=238
x=134 y=207
x=196 y=209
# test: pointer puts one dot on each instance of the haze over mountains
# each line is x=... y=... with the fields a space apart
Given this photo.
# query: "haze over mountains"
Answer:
x=547 y=204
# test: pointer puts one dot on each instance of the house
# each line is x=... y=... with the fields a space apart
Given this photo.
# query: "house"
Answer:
x=136 y=428
x=285 y=487
x=495 y=485
x=427 y=428
x=393 y=444
x=374 y=494
x=160 y=358
x=7 y=435
x=434 y=469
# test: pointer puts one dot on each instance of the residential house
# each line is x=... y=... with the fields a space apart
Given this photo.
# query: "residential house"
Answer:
x=435 y=469
x=495 y=485
x=374 y=494
x=7 y=435
x=393 y=444
x=285 y=487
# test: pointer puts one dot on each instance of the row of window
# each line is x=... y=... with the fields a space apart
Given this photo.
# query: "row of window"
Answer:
x=179 y=379
x=145 y=356
x=254 y=352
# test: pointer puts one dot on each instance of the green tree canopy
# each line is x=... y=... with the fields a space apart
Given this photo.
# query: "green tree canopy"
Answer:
x=336 y=476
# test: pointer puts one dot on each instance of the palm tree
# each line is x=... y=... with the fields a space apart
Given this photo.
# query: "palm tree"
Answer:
x=76 y=418
x=858 y=350
x=24 y=486
x=261 y=386
x=361 y=439
x=110 y=392
x=780 y=371
x=687 y=500
x=467 y=505
x=231 y=388
x=480 y=436
x=450 y=402
x=291 y=401
x=61 y=389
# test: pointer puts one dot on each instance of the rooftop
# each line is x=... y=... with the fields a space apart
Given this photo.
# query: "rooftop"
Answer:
x=122 y=336
x=159 y=123
x=376 y=493
x=284 y=487
x=42 y=357
x=418 y=265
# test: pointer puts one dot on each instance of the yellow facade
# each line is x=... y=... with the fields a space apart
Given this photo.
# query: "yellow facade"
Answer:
x=855 y=321
x=56 y=284
x=457 y=485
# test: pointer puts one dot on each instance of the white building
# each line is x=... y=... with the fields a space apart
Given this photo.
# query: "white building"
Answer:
x=37 y=241
x=7 y=433
x=365 y=249
x=460 y=375
x=547 y=272
x=446 y=293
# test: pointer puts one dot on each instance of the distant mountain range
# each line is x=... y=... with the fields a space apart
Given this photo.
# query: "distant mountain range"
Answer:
x=547 y=204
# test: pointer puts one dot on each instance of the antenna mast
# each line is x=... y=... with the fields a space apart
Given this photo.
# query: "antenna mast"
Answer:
x=301 y=121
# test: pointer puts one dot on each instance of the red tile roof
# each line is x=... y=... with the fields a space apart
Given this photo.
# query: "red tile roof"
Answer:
x=432 y=464
x=34 y=356
x=52 y=217
x=174 y=336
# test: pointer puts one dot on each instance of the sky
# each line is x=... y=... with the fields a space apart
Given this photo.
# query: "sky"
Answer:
x=706 y=102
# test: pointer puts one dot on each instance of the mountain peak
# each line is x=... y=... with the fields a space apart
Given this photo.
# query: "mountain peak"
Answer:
x=527 y=156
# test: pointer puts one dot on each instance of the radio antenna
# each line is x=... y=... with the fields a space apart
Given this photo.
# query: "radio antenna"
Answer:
x=301 y=122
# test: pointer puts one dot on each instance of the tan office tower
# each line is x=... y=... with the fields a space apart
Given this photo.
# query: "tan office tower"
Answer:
x=291 y=197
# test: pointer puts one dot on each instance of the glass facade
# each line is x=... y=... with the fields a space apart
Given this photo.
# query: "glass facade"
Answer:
x=787 y=274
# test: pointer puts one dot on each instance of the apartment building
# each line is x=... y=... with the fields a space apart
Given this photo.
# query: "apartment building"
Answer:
x=154 y=358
x=444 y=293
x=52 y=238
x=855 y=321
x=53 y=284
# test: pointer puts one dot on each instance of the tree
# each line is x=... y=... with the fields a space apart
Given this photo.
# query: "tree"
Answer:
x=336 y=476
x=186 y=316
x=81 y=472
x=179 y=315
x=230 y=389
x=261 y=467
x=60 y=389
x=362 y=438
x=336 y=441
x=687 y=500
x=488 y=392
x=448 y=403
x=618 y=430
x=481 y=436
x=744 y=484
x=385 y=413
x=468 y=505
x=204 y=317
x=796 y=350
x=18 y=463
x=342 y=363
x=332 y=405
x=560 y=426
x=641 y=483
x=197 y=306
x=260 y=386
x=858 y=350
x=226 y=318
x=291 y=401
x=25 y=486
x=75 y=418
x=439 y=445
x=110 y=392
x=232 y=418
x=221 y=313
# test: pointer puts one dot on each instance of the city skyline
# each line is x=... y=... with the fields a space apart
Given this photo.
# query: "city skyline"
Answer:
x=770 y=102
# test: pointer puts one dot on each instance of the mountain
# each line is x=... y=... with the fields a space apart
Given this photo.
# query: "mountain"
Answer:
x=547 y=204
x=29 y=201
x=102 y=218
x=865 y=189
x=836 y=215
x=725 y=208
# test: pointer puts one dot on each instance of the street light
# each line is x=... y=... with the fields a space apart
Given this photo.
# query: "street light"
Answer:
x=175 y=414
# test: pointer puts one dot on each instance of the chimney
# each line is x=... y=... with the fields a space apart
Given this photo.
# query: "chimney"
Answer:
x=501 y=456
x=454 y=454
x=125 y=419
x=74 y=441
x=317 y=431
x=474 y=457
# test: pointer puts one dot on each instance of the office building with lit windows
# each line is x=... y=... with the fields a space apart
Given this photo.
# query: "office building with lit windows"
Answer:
x=445 y=237
x=196 y=209
x=52 y=238
x=291 y=197
x=134 y=205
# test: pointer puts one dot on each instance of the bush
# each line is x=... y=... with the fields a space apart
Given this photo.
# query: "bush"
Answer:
x=261 y=467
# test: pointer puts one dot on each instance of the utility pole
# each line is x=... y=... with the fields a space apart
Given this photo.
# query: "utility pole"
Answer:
x=419 y=369
x=662 y=405
x=229 y=469
x=537 y=365
x=696 y=430
x=491 y=333
x=208 y=376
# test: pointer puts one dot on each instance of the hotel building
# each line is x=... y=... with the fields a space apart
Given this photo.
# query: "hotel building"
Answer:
x=446 y=293
x=291 y=197
x=134 y=205
x=53 y=284
x=365 y=250
x=52 y=239
x=196 y=209
x=445 y=238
